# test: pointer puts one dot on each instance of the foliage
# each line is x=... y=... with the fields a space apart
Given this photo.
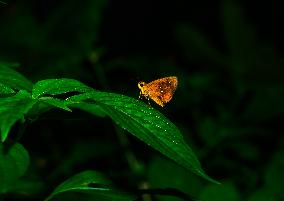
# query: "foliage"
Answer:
x=69 y=104
x=139 y=119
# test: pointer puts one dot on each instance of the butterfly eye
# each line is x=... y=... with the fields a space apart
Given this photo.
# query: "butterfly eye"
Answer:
x=141 y=84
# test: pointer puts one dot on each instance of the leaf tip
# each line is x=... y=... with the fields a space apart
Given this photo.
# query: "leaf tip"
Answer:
x=4 y=135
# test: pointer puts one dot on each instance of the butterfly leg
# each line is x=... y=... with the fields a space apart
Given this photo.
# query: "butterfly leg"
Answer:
x=148 y=99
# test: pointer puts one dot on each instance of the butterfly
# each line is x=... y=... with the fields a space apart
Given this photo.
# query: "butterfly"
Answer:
x=161 y=90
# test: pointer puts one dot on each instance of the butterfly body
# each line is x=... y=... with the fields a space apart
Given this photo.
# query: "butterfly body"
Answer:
x=161 y=90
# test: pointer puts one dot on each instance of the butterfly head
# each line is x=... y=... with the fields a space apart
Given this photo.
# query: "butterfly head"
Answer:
x=141 y=84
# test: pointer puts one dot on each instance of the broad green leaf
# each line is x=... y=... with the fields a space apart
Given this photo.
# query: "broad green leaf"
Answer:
x=58 y=86
x=148 y=125
x=55 y=102
x=13 y=109
x=13 y=164
x=13 y=79
x=4 y=89
x=83 y=182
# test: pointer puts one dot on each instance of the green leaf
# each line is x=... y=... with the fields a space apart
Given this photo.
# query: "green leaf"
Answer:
x=13 y=79
x=13 y=164
x=58 y=86
x=148 y=125
x=82 y=183
x=4 y=89
x=12 y=109
x=55 y=102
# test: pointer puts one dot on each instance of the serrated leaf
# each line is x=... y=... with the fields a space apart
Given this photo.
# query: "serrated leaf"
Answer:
x=55 y=102
x=82 y=183
x=13 y=164
x=12 y=109
x=13 y=79
x=4 y=89
x=58 y=86
x=148 y=125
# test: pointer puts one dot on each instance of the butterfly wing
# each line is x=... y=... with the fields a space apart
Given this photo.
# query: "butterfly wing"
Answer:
x=161 y=91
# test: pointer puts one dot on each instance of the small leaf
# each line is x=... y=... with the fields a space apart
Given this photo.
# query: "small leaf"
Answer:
x=13 y=79
x=13 y=164
x=148 y=125
x=4 y=89
x=83 y=182
x=58 y=86
x=12 y=109
x=55 y=102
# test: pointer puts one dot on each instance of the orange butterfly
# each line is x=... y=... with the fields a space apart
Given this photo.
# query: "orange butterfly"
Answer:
x=161 y=91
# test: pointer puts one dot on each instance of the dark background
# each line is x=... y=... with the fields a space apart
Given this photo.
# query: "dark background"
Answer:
x=228 y=56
